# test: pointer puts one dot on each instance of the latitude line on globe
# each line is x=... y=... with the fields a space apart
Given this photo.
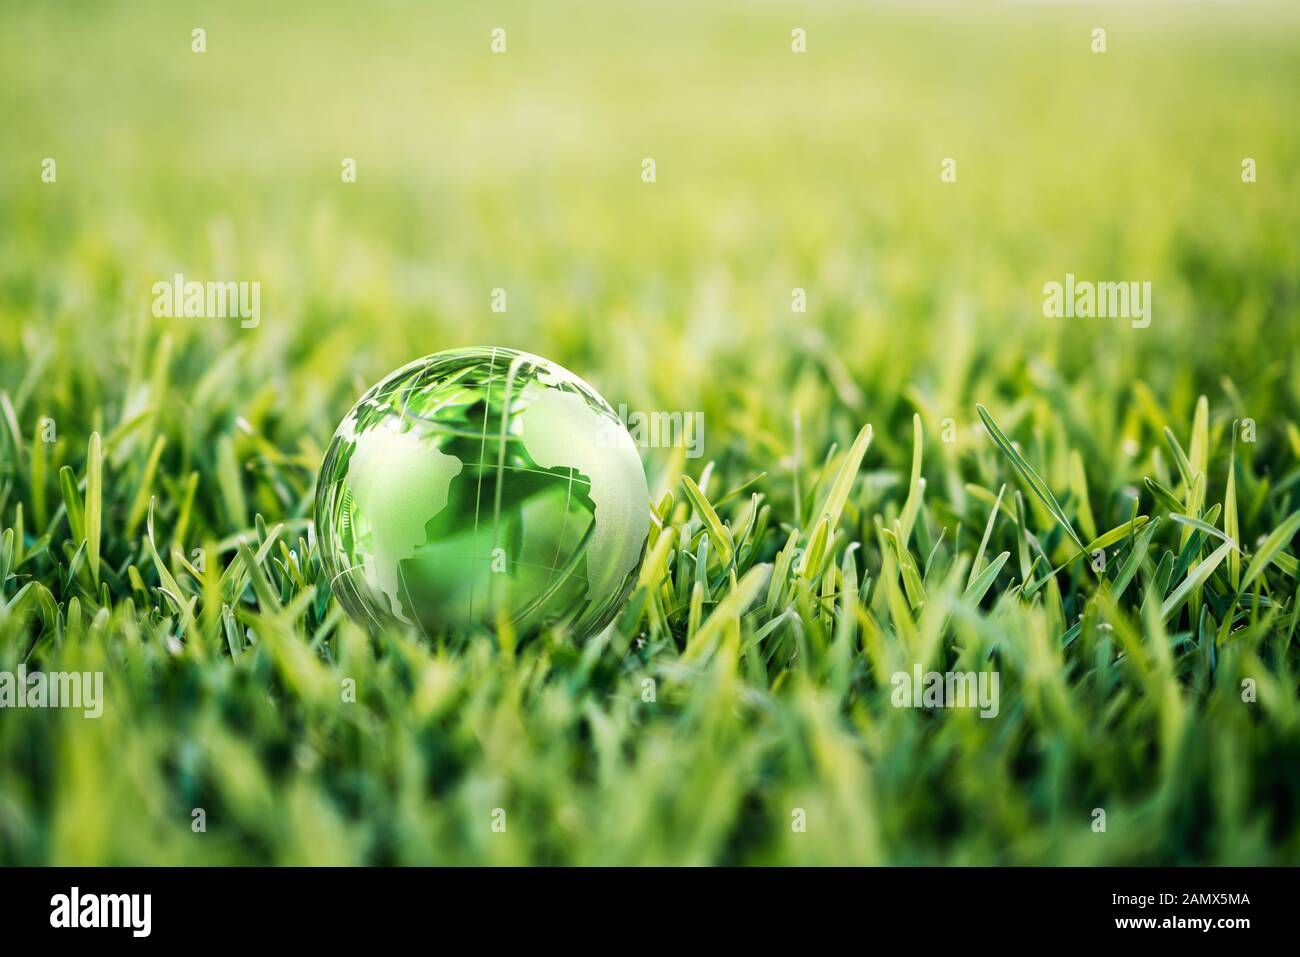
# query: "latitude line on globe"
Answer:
x=581 y=481
x=345 y=571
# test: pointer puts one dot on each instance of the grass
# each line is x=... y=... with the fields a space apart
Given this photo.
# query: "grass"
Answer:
x=920 y=469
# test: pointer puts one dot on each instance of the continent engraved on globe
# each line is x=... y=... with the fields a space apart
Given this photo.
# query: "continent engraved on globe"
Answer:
x=394 y=476
x=560 y=430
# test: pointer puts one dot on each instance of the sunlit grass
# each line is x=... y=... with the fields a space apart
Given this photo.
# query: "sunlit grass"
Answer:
x=156 y=475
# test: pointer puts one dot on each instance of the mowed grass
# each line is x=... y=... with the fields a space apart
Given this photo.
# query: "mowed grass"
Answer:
x=920 y=469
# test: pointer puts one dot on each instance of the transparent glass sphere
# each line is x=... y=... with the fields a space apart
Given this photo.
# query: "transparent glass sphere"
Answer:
x=477 y=486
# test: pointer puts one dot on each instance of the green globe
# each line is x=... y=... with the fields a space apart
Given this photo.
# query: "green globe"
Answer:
x=479 y=486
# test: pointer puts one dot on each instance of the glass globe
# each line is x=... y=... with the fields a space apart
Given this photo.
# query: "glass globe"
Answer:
x=478 y=486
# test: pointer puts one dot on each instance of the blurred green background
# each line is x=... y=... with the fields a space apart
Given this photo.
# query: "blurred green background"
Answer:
x=522 y=171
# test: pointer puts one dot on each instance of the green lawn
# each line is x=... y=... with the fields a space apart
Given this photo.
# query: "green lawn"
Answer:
x=1156 y=682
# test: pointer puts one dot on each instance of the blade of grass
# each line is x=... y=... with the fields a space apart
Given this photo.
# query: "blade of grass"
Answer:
x=1163 y=495
x=1273 y=545
x=72 y=504
x=94 y=503
x=843 y=484
x=1079 y=486
x=1134 y=560
x=1207 y=528
x=1180 y=458
x=976 y=590
x=1107 y=539
x=1230 y=521
x=988 y=530
x=1194 y=580
x=915 y=486
x=1032 y=478
x=712 y=524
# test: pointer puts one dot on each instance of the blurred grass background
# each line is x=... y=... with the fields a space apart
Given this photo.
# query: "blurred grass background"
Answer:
x=522 y=171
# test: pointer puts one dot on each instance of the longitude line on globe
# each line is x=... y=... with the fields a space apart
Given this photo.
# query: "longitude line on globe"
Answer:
x=401 y=575
x=564 y=527
x=482 y=456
